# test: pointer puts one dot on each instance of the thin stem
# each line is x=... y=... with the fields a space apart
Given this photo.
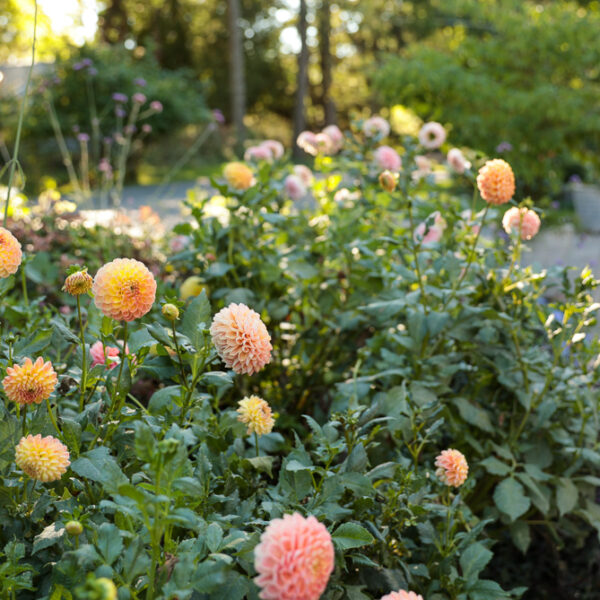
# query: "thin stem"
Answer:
x=84 y=356
x=15 y=158
x=24 y=420
x=181 y=368
x=256 y=444
x=24 y=286
x=52 y=418
x=123 y=359
x=415 y=249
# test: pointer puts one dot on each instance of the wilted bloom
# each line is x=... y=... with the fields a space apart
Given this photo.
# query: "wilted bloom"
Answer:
x=257 y=153
x=78 y=283
x=110 y=356
x=294 y=187
x=304 y=173
x=124 y=289
x=238 y=175
x=496 y=181
x=452 y=468
x=139 y=98
x=156 y=106
x=45 y=459
x=431 y=234
x=335 y=136
x=432 y=135
x=522 y=220
x=241 y=339
x=256 y=413
x=388 y=181
x=294 y=559
x=122 y=98
x=140 y=81
x=376 y=127
x=10 y=253
x=31 y=383
x=387 y=158
x=170 y=312
x=457 y=161
x=276 y=148
x=402 y=595
x=307 y=140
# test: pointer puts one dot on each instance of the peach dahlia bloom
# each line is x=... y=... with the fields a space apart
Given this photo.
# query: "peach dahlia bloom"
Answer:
x=45 y=459
x=294 y=559
x=241 y=339
x=256 y=413
x=432 y=135
x=10 y=253
x=31 y=383
x=452 y=467
x=124 y=289
x=522 y=220
x=387 y=158
x=402 y=595
x=238 y=175
x=496 y=181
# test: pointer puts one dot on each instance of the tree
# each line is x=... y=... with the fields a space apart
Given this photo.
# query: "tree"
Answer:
x=302 y=79
x=329 y=112
x=237 y=78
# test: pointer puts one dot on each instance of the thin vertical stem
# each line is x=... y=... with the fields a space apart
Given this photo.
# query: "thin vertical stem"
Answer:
x=24 y=285
x=256 y=444
x=83 y=354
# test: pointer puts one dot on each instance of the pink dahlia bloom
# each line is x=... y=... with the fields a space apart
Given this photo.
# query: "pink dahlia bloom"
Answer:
x=387 y=158
x=304 y=173
x=402 y=595
x=241 y=339
x=452 y=468
x=258 y=153
x=294 y=559
x=521 y=219
x=457 y=161
x=376 y=127
x=336 y=137
x=307 y=140
x=433 y=233
x=112 y=357
x=432 y=135
x=294 y=187
x=275 y=148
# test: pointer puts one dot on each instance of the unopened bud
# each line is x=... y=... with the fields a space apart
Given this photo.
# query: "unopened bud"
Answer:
x=387 y=180
x=170 y=312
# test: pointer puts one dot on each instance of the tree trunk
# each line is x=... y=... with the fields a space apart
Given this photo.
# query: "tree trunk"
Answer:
x=237 y=80
x=302 y=81
x=329 y=112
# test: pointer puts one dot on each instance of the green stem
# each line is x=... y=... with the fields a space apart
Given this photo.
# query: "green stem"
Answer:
x=83 y=354
x=24 y=420
x=24 y=286
x=52 y=418
x=181 y=368
x=415 y=249
x=15 y=158
x=256 y=444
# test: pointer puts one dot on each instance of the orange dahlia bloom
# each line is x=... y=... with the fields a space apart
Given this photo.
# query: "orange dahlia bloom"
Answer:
x=402 y=595
x=78 y=283
x=241 y=339
x=238 y=175
x=452 y=467
x=496 y=181
x=256 y=413
x=294 y=559
x=10 y=253
x=45 y=459
x=30 y=383
x=124 y=289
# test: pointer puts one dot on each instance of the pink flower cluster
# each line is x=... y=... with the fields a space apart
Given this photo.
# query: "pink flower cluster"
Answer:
x=430 y=234
x=269 y=150
x=376 y=126
x=386 y=158
x=110 y=359
x=329 y=141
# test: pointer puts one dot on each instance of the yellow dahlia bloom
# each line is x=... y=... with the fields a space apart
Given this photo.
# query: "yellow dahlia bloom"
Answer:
x=256 y=413
x=78 y=283
x=452 y=467
x=124 y=289
x=10 y=253
x=496 y=181
x=238 y=175
x=45 y=459
x=30 y=383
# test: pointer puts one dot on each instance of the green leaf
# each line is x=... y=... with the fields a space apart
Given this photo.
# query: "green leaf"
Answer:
x=474 y=559
x=196 y=315
x=510 y=498
x=567 y=495
x=495 y=467
x=109 y=542
x=49 y=536
x=351 y=535
x=473 y=414
x=97 y=465
x=214 y=537
x=64 y=331
x=521 y=535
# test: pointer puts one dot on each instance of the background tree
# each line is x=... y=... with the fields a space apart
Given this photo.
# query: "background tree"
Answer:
x=302 y=78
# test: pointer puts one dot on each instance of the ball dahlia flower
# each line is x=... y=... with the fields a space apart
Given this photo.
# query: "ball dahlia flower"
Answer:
x=256 y=413
x=294 y=187
x=241 y=339
x=496 y=181
x=10 y=253
x=432 y=135
x=294 y=559
x=387 y=158
x=275 y=148
x=336 y=137
x=110 y=359
x=522 y=220
x=376 y=126
x=304 y=173
x=31 y=383
x=238 y=175
x=307 y=141
x=45 y=459
x=402 y=595
x=257 y=153
x=124 y=289
x=452 y=468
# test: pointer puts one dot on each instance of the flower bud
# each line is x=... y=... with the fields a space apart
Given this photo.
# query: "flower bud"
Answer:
x=78 y=283
x=387 y=180
x=74 y=528
x=170 y=312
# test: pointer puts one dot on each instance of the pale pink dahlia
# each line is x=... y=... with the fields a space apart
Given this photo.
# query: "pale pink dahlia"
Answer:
x=521 y=219
x=452 y=467
x=402 y=595
x=294 y=559
x=432 y=135
x=304 y=173
x=387 y=158
x=294 y=187
x=334 y=133
x=430 y=234
x=276 y=148
x=457 y=161
x=307 y=140
x=241 y=339
x=112 y=357
x=258 y=153
x=376 y=127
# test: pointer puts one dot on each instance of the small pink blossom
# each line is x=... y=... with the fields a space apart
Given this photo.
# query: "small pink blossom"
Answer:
x=156 y=106
x=336 y=137
x=304 y=173
x=402 y=595
x=307 y=140
x=294 y=187
x=112 y=357
x=522 y=220
x=179 y=243
x=432 y=135
x=430 y=234
x=275 y=148
x=457 y=161
x=387 y=158
x=376 y=127
x=258 y=153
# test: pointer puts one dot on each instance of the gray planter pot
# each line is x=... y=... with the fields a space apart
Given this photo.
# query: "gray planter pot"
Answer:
x=586 y=199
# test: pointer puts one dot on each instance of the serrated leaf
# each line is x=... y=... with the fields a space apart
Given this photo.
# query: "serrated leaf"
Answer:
x=474 y=559
x=49 y=536
x=351 y=535
x=196 y=316
x=510 y=498
x=109 y=542
x=567 y=495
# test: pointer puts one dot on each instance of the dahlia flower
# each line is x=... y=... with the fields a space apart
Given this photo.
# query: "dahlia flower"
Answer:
x=10 y=253
x=45 y=459
x=110 y=359
x=257 y=153
x=124 y=289
x=241 y=339
x=307 y=141
x=521 y=219
x=275 y=148
x=457 y=161
x=294 y=187
x=256 y=413
x=304 y=173
x=433 y=233
x=238 y=175
x=376 y=127
x=387 y=158
x=402 y=595
x=78 y=283
x=432 y=135
x=335 y=136
x=452 y=468
x=294 y=559
x=31 y=383
x=496 y=181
